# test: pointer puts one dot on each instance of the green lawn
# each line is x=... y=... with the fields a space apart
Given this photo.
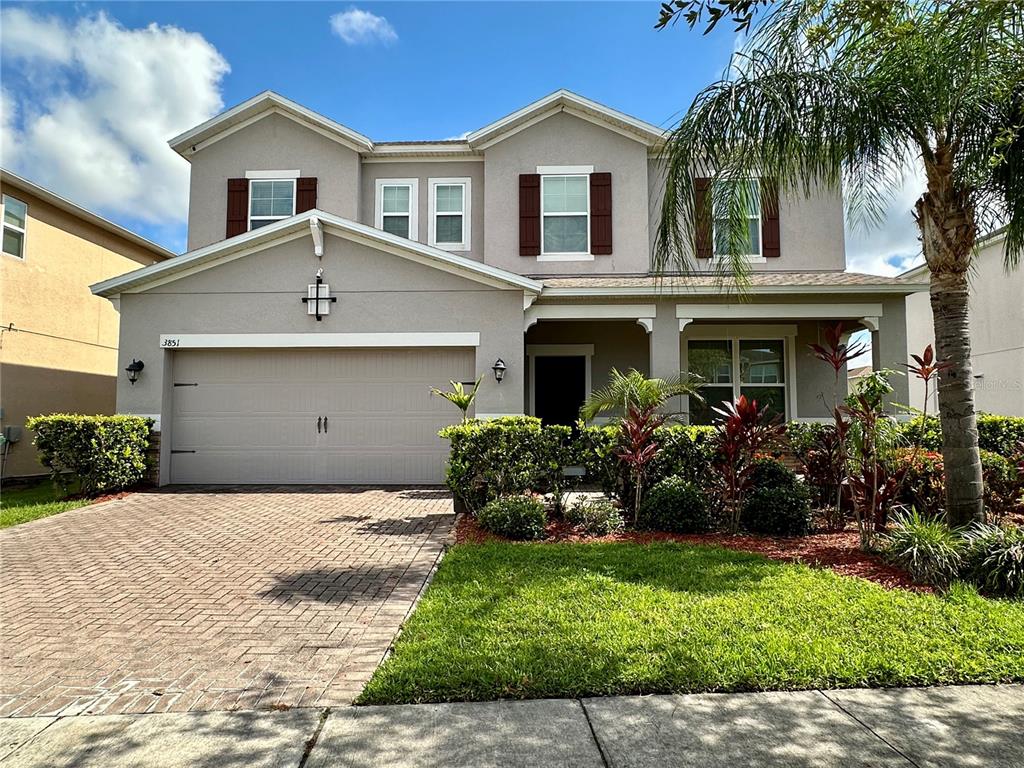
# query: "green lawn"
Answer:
x=19 y=504
x=561 y=620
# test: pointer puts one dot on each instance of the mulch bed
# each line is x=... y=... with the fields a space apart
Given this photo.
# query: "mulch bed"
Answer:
x=837 y=550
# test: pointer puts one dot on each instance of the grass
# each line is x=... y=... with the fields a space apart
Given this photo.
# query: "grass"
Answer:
x=566 y=620
x=20 y=504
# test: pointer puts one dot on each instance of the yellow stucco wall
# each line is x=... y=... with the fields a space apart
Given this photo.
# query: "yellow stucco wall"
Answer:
x=62 y=353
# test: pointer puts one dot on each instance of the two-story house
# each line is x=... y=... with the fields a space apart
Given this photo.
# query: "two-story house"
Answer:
x=58 y=342
x=332 y=280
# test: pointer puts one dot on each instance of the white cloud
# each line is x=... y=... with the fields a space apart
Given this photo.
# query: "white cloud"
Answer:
x=88 y=107
x=359 y=27
x=891 y=247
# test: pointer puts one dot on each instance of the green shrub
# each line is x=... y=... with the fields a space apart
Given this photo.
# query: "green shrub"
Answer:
x=103 y=453
x=924 y=485
x=999 y=434
x=1002 y=484
x=514 y=517
x=925 y=548
x=769 y=473
x=506 y=456
x=995 y=559
x=674 y=505
x=595 y=517
x=784 y=510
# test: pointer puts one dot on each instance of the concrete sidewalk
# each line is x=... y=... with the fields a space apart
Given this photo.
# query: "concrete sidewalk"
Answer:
x=957 y=726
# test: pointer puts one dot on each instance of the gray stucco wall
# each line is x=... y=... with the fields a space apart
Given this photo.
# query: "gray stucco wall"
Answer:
x=377 y=292
x=273 y=143
x=566 y=140
x=424 y=172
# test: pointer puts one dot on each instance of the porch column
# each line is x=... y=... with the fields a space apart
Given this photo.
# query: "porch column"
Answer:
x=665 y=358
x=889 y=346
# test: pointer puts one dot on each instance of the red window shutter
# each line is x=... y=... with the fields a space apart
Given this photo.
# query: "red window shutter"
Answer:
x=238 y=207
x=305 y=194
x=702 y=213
x=529 y=214
x=600 y=214
x=770 y=243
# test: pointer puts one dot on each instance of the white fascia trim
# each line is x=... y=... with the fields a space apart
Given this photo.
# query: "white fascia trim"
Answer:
x=565 y=170
x=314 y=340
x=467 y=197
x=565 y=257
x=763 y=311
x=588 y=312
x=294 y=174
x=725 y=260
x=412 y=158
x=414 y=203
x=668 y=290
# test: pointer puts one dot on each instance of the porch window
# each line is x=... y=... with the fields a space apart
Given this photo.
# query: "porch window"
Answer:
x=750 y=192
x=733 y=367
x=270 y=200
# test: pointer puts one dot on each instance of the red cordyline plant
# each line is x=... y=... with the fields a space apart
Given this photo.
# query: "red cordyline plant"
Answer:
x=744 y=431
x=638 y=448
x=926 y=369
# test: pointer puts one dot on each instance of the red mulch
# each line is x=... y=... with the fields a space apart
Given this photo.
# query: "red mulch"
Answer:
x=838 y=551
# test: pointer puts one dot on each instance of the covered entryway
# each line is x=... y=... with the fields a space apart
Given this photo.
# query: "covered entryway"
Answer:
x=360 y=416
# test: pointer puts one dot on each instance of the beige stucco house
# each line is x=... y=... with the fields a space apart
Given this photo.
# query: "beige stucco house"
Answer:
x=333 y=280
x=997 y=330
x=58 y=342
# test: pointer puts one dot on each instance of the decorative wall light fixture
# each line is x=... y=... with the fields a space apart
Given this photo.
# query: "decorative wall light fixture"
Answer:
x=499 y=369
x=134 y=369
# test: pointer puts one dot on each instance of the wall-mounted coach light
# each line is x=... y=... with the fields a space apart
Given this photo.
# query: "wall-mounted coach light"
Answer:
x=499 y=369
x=134 y=369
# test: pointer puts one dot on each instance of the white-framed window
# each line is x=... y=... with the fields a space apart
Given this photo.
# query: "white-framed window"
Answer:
x=15 y=218
x=396 y=207
x=450 y=214
x=752 y=242
x=270 y=200
x=565 y=215
x=736 y=366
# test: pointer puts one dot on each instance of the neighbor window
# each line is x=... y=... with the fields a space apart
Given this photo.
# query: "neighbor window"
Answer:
x=270 y=201
x=396 y=207
x=734 y=367
x=15 y=214
x=449 y=213
x=748 y=192
x=565 y=207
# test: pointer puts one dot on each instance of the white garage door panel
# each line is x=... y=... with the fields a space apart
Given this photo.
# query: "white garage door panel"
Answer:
x=251 y=418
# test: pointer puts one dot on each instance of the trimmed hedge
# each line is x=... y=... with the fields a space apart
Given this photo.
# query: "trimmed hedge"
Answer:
x=104 y=453
x=675 y=505
x=999 y=434
x=778 y=504
x=515 y=517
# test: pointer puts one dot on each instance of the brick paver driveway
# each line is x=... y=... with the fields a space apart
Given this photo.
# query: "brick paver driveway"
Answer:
x=205 y=599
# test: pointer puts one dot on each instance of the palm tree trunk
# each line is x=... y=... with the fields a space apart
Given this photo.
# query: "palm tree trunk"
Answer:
x=960 y=456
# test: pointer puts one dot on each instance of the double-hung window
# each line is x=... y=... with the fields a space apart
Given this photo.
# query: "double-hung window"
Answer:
x=270 y=200
x=733 y=367
x=565 y=213
x=396 y=207
x=745 y=193
x=15 y=216
x=449 y=214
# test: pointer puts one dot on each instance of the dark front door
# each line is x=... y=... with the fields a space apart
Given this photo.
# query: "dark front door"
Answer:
x=560 y=385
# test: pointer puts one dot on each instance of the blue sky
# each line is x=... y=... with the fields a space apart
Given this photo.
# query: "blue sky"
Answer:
x=92 y=91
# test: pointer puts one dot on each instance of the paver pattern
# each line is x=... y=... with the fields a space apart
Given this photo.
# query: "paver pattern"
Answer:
x=211 y=599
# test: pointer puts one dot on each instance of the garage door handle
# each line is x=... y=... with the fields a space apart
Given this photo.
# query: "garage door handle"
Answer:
x=319 y=420
x=325 y=425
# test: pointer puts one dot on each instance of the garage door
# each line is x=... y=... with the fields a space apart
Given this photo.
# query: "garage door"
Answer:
x=361 y=416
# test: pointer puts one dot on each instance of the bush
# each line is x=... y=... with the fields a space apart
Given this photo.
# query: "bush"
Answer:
x=103 y=453
x=769 y=473
x=784 y=510
x=595 y=517
x=925 y=548
x=514 y=517
x=1002 y=484
x=674 y=505
x=924 y=484
x=506 y=456
x=999 y=434
x=995 y=559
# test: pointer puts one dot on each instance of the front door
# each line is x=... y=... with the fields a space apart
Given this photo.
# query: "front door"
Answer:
x=560 y=387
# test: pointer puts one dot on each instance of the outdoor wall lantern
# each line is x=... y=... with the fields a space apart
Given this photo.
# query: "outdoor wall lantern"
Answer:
x=499 y=370
x=134 y=369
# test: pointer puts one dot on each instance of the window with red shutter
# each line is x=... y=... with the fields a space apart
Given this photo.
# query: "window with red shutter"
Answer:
x=600 y=214
x=305 y=194
x=703 y=216
x=238 y=207
x=529 y=214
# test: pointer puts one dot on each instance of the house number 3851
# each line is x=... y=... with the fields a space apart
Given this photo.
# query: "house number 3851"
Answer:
x=170 y=342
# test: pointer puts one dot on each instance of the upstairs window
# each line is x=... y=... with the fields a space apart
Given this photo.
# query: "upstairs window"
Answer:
x=750 y=193
x=15 y=215
x=565 y=210
x=449 y=214
x=396 y=206
x=270 y=200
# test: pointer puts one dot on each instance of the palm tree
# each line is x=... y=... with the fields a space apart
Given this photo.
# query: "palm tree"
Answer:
x=459 y=397
x=634 y=390
x=829 y=92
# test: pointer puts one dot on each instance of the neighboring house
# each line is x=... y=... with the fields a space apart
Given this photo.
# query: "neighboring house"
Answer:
x=522 y=251
x=854 y=376
x=58 y=342
x=997 y=330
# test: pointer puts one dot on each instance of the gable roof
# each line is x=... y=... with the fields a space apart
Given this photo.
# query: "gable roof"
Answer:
x=300 y=226
x=574 y=104
x=85 y=215
x=258 y=107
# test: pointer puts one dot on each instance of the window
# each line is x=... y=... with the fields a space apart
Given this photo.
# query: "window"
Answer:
x=750 y=192
x=270 y=200
x=449 y=213
x=396 y=207
x=734 y=367
x=15 y=214
x=565 y=210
